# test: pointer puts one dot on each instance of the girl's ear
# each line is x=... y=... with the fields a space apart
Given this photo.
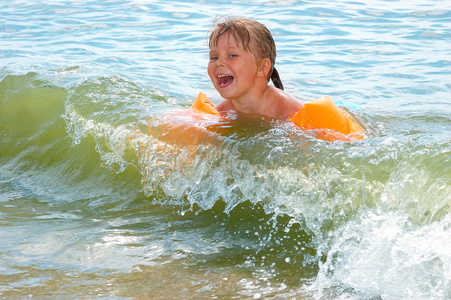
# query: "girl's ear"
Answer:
x=264 y=68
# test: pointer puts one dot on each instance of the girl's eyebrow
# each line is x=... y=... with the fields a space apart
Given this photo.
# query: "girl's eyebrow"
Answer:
x=215 y=50
x=228 y=46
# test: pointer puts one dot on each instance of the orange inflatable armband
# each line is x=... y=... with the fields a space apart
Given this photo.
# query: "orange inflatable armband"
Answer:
x=203 y=105
x=321 y=117
x=324 y=114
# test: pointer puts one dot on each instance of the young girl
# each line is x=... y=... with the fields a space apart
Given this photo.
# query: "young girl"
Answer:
x=242 y=57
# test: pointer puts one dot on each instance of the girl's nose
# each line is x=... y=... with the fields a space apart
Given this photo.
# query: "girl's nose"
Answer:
x=220 y=63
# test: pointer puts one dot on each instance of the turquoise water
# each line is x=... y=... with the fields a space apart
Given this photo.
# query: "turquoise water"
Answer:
x=92 y=206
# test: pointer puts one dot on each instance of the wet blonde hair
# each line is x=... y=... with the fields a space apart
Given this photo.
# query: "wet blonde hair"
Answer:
x=252 y=36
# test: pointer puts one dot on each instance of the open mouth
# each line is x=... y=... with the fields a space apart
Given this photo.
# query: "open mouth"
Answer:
x=225 y=80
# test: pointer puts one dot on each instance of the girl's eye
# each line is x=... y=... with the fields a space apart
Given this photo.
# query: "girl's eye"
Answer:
x=213 y=57
x=232 y=55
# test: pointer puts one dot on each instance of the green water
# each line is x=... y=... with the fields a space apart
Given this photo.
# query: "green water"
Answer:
x=87 y=210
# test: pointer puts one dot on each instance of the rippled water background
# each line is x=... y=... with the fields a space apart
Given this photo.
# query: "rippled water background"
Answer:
x=93 y=206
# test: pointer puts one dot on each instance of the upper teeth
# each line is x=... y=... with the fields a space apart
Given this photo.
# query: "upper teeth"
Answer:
x=219 y=76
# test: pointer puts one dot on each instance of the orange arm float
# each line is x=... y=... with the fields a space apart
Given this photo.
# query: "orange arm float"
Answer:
x=203 y=105
x=325 y=114
x=188 y=127
x=322 y=117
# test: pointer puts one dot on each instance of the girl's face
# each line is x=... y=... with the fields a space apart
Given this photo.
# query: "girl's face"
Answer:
x=231 y=68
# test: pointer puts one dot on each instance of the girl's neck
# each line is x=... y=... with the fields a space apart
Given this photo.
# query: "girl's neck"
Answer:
x=255 y=103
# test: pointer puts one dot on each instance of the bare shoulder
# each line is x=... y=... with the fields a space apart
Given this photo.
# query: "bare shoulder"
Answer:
x=287 y=105
x=225 y=106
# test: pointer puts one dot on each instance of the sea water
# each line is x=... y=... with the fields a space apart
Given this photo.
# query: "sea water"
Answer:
x=92 y=205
